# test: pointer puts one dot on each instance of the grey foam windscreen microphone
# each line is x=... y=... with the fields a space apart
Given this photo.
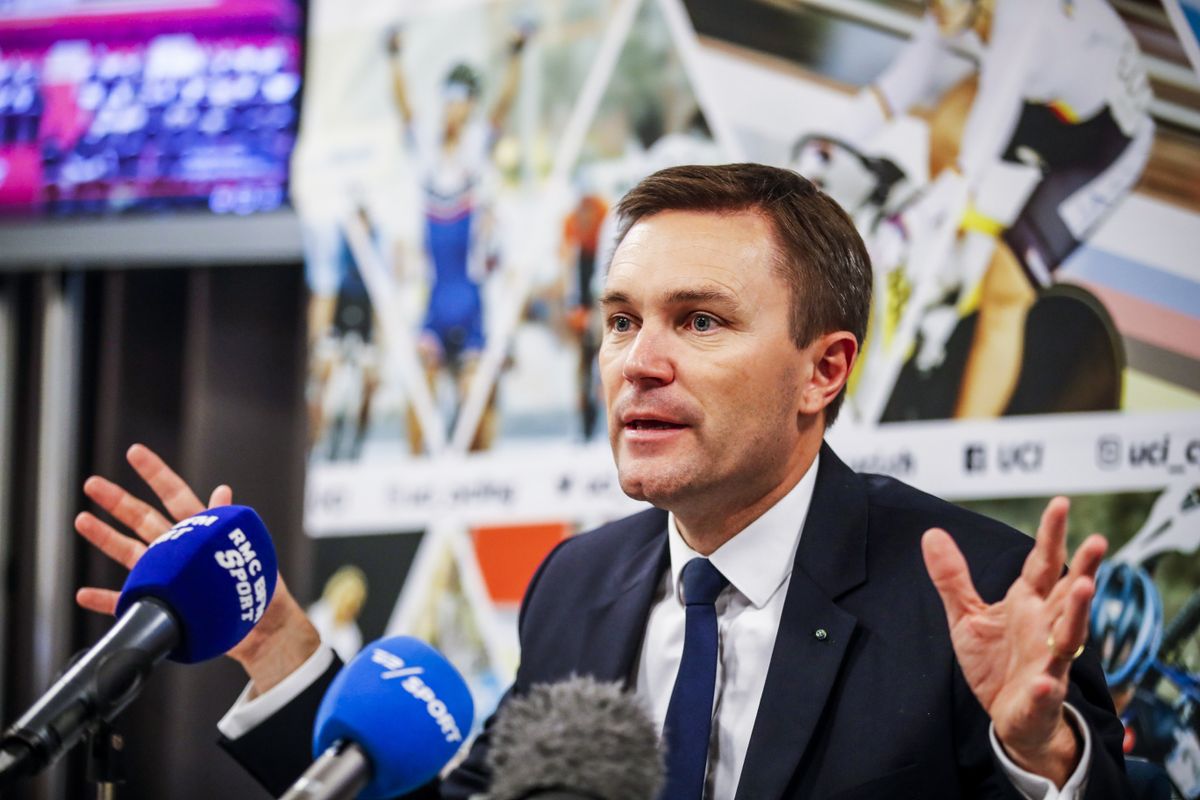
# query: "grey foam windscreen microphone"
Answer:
x=573 y=740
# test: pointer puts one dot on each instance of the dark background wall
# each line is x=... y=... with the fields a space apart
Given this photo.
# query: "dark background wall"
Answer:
x=206 y=366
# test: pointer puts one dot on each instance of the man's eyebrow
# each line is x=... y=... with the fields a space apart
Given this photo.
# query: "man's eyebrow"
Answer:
x=610 y=298
x=702 y=296
x=678 y=297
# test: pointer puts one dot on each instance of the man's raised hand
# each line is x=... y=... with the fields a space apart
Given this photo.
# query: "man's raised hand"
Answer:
x=281 y=641
x=1016 y=654
x=141 y=518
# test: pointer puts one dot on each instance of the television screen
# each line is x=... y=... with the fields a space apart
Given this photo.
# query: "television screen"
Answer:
x=116 y=107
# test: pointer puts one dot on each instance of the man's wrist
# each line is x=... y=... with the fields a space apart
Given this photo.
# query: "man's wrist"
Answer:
x=289 y=640
x=1054 y=759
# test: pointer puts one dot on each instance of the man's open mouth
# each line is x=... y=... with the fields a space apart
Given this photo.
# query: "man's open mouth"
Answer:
x=652 y=425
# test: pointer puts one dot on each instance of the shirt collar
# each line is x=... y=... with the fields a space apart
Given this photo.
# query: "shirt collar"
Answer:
x=759 y=558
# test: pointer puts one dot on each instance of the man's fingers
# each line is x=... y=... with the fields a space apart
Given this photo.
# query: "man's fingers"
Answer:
x=120 y=548
x=1085 y=563
x=221 y=496
x=1069 y=632
x=171 y=489
x=1087 y=559
x=102 y=601
x=1045 y=562
x=1072 y=627
x=948 y=570
x=142 y=518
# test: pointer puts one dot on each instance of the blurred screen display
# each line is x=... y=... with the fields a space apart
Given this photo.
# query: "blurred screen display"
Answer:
x=115 y=107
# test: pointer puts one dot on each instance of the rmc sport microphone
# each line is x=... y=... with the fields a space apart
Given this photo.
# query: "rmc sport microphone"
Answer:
x=195 y=593
x=390 y=720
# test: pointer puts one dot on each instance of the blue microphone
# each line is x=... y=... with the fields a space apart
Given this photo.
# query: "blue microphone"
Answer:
x=195 y=593
x=391 y=719
x=216 y=573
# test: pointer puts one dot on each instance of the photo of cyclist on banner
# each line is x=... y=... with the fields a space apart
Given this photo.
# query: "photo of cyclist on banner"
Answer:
x=343 y=346
x=451 y=157
x=1039 y=128
x=580 y=245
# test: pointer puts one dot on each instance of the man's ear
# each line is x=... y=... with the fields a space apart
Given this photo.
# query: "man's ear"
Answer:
x=831 y=358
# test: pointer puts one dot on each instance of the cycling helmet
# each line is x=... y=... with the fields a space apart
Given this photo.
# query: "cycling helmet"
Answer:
x=464 y=76
x=1126 y=622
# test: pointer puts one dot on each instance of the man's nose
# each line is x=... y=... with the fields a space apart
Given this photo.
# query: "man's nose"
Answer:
x=649 y=359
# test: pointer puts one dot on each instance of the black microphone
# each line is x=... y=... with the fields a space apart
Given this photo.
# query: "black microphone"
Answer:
x=576 y=740
x=105 y=679
x=194 y=594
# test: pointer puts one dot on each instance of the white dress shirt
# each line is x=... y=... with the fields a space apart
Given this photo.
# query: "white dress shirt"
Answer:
x=758 y=563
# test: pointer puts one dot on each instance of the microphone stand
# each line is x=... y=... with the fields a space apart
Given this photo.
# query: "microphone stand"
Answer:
x=105 y=767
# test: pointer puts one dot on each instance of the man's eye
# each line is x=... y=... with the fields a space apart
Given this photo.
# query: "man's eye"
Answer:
x=621 y=324
x=703 y=323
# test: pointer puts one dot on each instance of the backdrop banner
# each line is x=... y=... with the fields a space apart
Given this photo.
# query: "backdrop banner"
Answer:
x=1032 y=222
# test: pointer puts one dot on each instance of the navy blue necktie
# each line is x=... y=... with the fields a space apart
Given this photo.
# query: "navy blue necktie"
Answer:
x=689 y=715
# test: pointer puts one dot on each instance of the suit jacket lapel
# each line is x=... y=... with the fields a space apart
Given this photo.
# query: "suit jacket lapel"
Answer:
x=617 y=621
x=830 y=560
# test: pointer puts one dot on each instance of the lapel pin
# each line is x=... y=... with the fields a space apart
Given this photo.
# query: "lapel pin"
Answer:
x=821 y=634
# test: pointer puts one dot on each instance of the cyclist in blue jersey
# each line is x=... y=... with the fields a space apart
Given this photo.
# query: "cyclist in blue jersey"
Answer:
x=452 y=157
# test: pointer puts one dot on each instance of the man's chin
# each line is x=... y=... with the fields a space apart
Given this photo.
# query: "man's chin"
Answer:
x=658 y=487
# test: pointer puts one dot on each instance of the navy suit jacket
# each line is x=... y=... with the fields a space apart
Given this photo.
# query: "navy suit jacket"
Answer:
x=876 y=708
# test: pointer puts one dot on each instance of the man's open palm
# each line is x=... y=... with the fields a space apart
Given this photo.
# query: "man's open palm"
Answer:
x=1016 y=654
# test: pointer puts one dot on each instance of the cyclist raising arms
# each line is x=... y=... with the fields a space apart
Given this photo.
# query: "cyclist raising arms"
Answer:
x=452 y=156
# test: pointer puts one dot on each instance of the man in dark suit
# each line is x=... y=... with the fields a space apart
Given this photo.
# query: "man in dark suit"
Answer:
x=778 y=614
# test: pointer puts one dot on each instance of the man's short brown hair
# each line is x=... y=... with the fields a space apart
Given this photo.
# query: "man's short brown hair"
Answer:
x=821 y=255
